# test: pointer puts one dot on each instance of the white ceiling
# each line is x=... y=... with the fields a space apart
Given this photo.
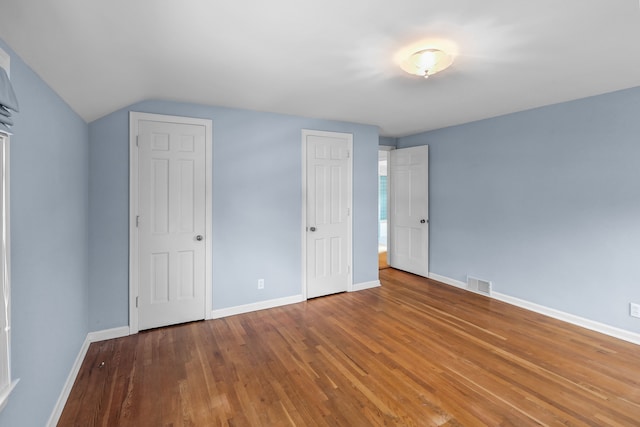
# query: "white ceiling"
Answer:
x=331 y=59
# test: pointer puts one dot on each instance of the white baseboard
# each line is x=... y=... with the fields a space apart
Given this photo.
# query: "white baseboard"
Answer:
x=66 y=390
x=603 y=328
x=612 y=331
x=262 y=305
x=108 y=334
x=365 y=285
x=448 y=281
x=4 y=396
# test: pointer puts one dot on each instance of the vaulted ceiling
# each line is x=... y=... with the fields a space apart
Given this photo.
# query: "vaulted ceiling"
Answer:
x=332 y=59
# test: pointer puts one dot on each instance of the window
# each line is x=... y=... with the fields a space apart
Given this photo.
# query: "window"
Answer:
x=6 y=385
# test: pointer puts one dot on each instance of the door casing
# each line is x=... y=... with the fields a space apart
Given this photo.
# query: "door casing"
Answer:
x=349 y=139
x=134 y=118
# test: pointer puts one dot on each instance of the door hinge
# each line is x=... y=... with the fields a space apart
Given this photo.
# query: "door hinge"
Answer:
x=137 y=220
x=136 y=302
x=348 y=154
x=137 y=140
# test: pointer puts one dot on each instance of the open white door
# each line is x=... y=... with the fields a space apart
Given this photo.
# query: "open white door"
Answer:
x=328 y=212
x=172 y=220
x=409 y=210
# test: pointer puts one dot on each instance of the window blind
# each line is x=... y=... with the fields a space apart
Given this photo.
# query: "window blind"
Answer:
x=8 y=101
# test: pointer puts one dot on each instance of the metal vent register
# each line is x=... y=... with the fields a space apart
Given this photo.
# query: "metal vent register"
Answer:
x=478 y=285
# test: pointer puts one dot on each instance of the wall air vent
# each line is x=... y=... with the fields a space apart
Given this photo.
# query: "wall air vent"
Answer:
x=478 y=285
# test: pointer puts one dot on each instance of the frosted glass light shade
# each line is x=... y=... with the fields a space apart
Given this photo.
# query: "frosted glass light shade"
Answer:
x=426 y=62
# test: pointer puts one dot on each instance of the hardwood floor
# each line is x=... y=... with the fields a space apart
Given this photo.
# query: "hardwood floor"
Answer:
x=412 y=352
x=382 y=260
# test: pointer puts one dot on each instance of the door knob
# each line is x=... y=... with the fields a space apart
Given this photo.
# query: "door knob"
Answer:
x=422 y=221
x=312 y=229
x=199 y=237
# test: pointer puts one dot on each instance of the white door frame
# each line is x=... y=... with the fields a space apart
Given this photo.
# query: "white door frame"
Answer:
x=349 y=136
x=387 y=149
x=134 y=118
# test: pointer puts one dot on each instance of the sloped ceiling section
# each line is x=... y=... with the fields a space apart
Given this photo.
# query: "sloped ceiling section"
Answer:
x=329 y=59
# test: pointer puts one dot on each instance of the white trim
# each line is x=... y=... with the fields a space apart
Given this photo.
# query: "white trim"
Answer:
x=448 y=281
x=92 y=337
x=4 y=397
x=278 y=302
x=68 y=385
x=133 y=211
x=262 y=305
x=303 y=231
x=350 y=207
x=386 y=147
x=386 y=174
x=208 y=275
x=303 y=223
x=108 y=334
x=5 y=250
x=365 y=285
x=612 y=331
x=453 y=282
x=592 y=325
x=134 y=118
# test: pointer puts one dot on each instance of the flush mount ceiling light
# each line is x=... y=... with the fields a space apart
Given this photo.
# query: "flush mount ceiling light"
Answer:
x=427 y=62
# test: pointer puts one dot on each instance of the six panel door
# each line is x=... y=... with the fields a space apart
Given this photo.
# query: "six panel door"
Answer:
x=409 y=210
x=171 y=223
x=328 y=214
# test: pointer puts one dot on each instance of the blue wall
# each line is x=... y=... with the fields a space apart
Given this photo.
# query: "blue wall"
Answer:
x=49 y=245
x=544 y=203
x=388 y=141
x=257 y=205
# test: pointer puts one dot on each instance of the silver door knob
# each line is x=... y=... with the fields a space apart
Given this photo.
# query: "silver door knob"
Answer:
x=199 y=237
x=312 y=229
x=422 y=221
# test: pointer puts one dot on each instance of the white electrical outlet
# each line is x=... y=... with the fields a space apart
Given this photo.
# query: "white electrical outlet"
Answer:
x=634 y=310
x=260 y=283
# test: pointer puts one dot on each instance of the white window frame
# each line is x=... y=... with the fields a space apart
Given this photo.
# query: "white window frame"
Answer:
x=6 y=385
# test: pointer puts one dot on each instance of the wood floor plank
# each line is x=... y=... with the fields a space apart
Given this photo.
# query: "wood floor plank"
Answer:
x=412 y=352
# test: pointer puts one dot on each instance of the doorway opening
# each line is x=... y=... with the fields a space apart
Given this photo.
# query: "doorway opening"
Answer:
x=383 y=202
